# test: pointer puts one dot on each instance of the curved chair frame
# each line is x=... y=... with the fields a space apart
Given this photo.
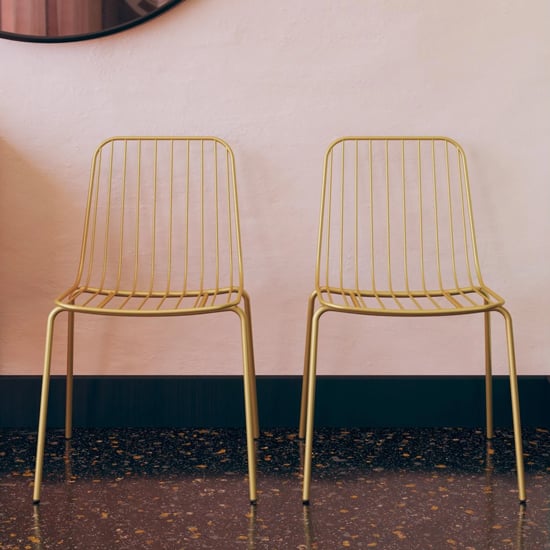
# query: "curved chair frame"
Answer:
x=368 y=184
x=161 y=238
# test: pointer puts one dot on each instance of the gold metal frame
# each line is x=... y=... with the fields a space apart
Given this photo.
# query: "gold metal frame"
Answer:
x=397 y=238
x=161 y=238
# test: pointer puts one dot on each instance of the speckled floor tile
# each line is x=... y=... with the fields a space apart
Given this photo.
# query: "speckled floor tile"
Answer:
x=186 y=489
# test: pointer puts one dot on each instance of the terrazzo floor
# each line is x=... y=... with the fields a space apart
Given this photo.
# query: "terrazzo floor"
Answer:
x=185 y=489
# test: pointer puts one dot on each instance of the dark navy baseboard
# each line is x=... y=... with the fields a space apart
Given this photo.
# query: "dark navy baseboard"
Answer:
x=217 y=401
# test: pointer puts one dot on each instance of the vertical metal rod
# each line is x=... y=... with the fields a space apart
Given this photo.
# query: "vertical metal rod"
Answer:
x=201 y=284
x=405 y=227
x=170 y=219
x=154 y=221
x=107 y=235
x=217 y=225
x=237 y=228
x=329 y=219
x=356 y=233
x=342 y=218
x=451 y=216
x=93 y=206
x=123 y=208
x=421 y=217
x=85 y=234
x=372 y=235
x=465 y=200
x=371 y=197
x=388 y=225
x=230 y=176
x=421 y=223
x=388 y=214
x=471 y=220
x=187 y=193
x=436 y=218
x=138 y=218
x=404 y=203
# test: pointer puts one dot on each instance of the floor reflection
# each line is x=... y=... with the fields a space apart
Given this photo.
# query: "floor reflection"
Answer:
x=173 y=489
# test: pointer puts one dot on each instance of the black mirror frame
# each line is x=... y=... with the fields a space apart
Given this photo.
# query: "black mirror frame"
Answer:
x=92 y=35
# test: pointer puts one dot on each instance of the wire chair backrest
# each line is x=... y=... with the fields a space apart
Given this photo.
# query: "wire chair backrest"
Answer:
x=162 y=222
x=396 y=220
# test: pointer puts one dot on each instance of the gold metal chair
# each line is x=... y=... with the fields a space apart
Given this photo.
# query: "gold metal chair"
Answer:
x=161 y=238
x=396 y=237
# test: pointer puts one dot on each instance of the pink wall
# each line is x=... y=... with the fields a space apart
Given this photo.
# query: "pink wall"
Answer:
x=279 y=80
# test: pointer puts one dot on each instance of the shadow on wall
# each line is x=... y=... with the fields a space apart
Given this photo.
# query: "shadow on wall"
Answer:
x=34 y=242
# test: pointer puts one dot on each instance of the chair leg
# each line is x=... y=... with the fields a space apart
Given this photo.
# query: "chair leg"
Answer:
x=488 y=378
x=252 y=368
x=310 y=410
x=305 y=377
x=69 y=380
x=515 y=404
x=39 y=467
x=248 y=405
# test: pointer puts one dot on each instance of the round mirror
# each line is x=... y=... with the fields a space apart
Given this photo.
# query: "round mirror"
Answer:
x=69 y=20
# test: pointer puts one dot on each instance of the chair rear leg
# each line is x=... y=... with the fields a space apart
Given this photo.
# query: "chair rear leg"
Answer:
x=515 y=404
x=41 y=441
x=488 y=378
x=305 y=377
x=252 y=365
x=69 y=380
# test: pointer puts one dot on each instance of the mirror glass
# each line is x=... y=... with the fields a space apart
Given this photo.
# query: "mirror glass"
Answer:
x=68 y=20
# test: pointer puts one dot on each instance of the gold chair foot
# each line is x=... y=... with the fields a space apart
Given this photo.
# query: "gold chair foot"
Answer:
x=523 y=503
x=305 y=502
x=253 y=502
x=36 y=502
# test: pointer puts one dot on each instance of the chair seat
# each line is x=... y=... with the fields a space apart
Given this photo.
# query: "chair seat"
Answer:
x=148 y=303
x=410 y=302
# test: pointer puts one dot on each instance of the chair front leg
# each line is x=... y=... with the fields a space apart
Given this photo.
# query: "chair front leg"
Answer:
x=249 y=407
x=514 y=392
x=310 y=410
x=41 y=440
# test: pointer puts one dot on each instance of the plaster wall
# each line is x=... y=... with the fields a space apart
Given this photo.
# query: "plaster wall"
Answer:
x=279 y=80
